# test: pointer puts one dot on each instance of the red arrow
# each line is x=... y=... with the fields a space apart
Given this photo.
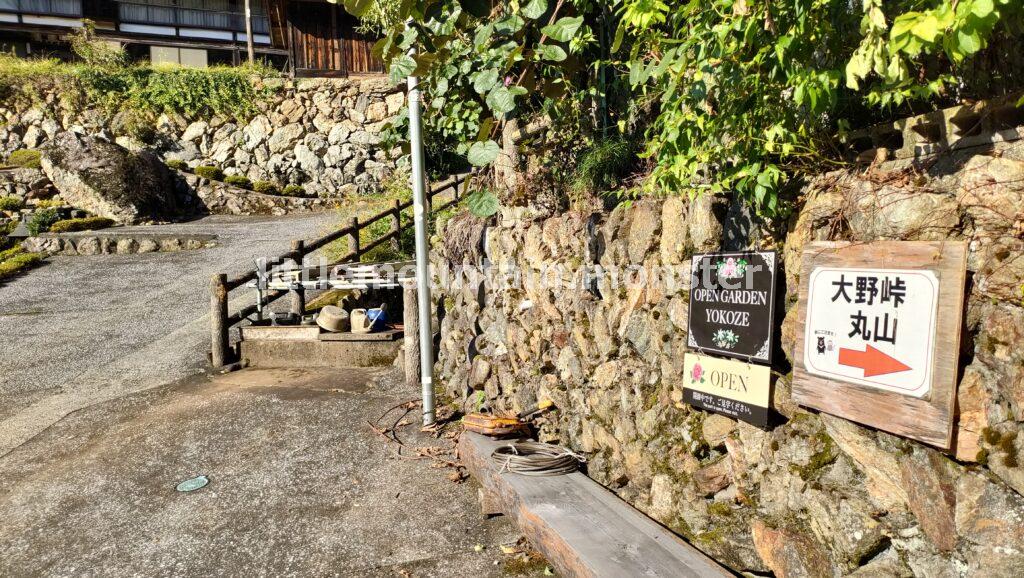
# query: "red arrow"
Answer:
x=872 y=361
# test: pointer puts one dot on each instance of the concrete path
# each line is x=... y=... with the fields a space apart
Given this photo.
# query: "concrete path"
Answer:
x=299 y=486
x=82 y=330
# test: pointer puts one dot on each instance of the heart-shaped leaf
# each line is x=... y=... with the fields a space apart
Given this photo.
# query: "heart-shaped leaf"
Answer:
x=535 y=9
x=357 y=8
x=401 y=67
x=482 y=154
x=564 y=29
x=486 y=80
x=551 y=52
x=509 y=25
x=501 y=101
x=482 y=203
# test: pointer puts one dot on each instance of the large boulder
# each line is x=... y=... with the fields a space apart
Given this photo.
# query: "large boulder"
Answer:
x=108 y=180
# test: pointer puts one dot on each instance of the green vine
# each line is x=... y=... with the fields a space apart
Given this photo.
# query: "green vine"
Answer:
x=234 y=92
x=721 y=96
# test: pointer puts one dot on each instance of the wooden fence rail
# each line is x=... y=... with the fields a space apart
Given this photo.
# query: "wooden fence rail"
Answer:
x=221 y=320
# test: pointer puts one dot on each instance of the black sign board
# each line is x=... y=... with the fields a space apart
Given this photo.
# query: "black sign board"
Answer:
x=732 y=304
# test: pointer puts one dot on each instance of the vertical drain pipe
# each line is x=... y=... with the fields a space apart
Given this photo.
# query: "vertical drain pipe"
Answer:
x=420 y=214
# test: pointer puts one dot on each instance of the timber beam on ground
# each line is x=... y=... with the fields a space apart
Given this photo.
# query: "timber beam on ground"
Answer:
x=583 y=529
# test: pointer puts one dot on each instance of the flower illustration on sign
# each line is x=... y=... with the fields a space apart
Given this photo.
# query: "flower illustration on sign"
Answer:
x=697 y=374
x=725 y=338
x=731 y=268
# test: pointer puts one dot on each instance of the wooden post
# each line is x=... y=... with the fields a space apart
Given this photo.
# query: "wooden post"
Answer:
x=298 y=295
x=396 y=226
x=219 y=320
x=249 y=47
x=411 y=320
x=353 y=238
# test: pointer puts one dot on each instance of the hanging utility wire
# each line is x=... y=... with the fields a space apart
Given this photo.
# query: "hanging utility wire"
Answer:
x=536 y=459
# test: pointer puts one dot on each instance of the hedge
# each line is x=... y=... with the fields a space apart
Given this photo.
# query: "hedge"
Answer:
x=84 y=224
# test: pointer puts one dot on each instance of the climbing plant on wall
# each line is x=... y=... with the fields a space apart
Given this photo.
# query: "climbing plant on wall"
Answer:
x=740 y=95
x=481 y=64
x=916 y=54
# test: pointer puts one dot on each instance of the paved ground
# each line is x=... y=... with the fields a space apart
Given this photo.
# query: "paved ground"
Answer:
x=300 y=486
x=81 y=330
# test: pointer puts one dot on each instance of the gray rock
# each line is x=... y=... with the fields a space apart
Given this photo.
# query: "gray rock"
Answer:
x=51 y=127
x=339 y=134
x=364 y=138
x=148 y=246
x=704 y=224
x=285 y=137
x=308 y=160
x=186 y=152
x=33 y=137
x=256 y=132
x=108 y=180
x=88 y=246
x=127 y=246
x=195 y=131
x=316 y=143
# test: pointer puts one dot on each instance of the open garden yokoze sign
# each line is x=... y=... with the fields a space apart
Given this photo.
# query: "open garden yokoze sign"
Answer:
x=732 y=304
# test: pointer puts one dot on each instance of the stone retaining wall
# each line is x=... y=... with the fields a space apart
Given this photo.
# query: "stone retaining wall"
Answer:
x=218 y=198
x=197 y=196
x=815 y=495
x=111 y=243
x=323 y=134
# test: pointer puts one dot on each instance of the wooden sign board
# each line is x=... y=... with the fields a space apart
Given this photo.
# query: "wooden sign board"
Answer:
x=880 y=326
x=732 y=305
x=733 y=388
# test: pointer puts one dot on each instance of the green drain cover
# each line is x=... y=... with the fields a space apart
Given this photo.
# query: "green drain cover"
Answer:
x=193 y=484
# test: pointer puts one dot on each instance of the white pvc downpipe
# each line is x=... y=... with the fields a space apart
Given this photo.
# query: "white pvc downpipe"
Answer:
x=420 y=216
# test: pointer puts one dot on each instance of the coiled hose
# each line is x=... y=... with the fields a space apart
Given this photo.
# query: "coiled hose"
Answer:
x=535 y=459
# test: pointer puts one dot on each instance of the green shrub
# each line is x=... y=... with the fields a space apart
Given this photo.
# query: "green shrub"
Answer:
x=138 y=125
x=238 y=181
x=85 y=224
x=100 y=81
x=266 y=187
x=41 y=221
x=602 y=167
x=10 y=253
x=94 y=50
x=49 y=204
x=294 y=191
x=209 y=172
x=11 y=203
x=177 y=164
x=18 y=262
x=25 y=158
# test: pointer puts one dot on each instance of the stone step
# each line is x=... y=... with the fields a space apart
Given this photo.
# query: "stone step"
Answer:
x=370 y=351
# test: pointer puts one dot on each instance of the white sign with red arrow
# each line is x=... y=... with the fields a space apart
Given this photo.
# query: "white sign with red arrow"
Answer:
x=872 y=327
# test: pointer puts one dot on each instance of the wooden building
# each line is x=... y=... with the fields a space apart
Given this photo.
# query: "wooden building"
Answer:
x=303 y=37
x=323 y=40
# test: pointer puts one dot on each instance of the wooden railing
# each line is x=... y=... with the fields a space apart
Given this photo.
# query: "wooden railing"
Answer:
x=221 y=286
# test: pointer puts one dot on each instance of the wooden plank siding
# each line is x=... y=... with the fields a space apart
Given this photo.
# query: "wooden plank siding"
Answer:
x=323 y=41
